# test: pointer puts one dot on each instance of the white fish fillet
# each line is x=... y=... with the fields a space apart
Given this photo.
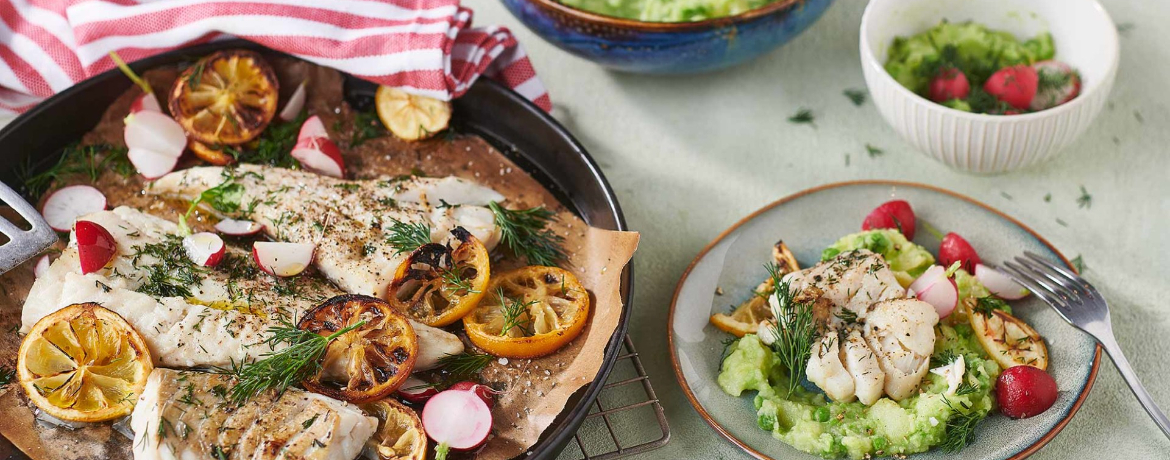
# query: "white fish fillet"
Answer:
x=349 y=221
x=901 y=334
x=189 y=331
x=851 y=281
x=180 y=416
x=826 y=369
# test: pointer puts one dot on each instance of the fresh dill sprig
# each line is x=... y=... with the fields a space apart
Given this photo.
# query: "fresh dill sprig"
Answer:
x=967 y=388
x=794 y=329
x=960 y=428
x=514 y=313
x=1085 y=200
x=366 y=126
x=454 y=282
x=282 y=369
x=88 y=161
x=525 y=232
x=227 y=197
x=803 y=116
x=6 y=375
x=273 y=146
x=856 y=96
x=464 y=366
x=943 y=358
x=989 y=303
x=405 y=237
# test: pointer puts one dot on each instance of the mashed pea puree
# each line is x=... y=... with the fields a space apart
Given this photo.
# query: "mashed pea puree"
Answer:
x=667 y=10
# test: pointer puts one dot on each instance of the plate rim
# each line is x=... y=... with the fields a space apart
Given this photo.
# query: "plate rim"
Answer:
x=674 y=361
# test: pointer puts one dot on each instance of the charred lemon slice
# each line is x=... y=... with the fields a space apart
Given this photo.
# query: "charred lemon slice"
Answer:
x=400 y=434
x=745 y=319
x=83 y=363
x=1008 y=340
x=366 y=363
x=529 y=312
x=438 y=284
x=226 y=98
x=411 y=117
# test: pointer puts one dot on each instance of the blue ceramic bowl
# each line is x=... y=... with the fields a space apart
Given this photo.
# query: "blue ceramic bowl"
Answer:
x=668 y=47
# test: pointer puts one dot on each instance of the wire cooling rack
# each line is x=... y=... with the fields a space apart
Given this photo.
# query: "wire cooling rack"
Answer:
x=616 y=425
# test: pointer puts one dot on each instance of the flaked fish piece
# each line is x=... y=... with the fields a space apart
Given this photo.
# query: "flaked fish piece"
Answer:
x=826 y=368
x=190 y=316
x=349 y=221
x=901 y=334
x=862 y=364
x=186 y=415
x=851 y=282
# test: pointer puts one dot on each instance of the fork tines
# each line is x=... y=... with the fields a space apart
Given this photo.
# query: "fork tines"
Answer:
x=1052 y=283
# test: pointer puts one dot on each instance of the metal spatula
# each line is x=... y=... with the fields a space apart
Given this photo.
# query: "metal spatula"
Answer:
x=22 y=244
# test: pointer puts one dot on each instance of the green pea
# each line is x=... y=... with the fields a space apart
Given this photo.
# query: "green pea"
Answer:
x=822 y=414
x=879 y=443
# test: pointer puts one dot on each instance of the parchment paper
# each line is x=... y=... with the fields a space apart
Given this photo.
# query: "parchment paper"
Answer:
x=534 y=391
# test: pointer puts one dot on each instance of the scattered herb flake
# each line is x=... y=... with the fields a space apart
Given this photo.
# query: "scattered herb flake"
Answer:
x=1078 y=263
x=856 y=96
x=1006 y=195
x=1048 y=198
x=1085 y=200
x=873 y=151
x=803 y=116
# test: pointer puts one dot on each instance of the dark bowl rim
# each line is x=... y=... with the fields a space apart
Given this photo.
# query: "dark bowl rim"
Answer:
x=601 y=20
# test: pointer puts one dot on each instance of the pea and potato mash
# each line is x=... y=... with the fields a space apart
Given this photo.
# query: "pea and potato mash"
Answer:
x=667 y=10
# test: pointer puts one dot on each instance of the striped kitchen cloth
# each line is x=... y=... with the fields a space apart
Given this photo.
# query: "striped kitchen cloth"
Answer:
x=426 y=47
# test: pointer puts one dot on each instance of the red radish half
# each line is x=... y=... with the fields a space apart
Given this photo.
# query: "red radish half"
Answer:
x=282 y=259
x=152 y=165
x=156 y=132
x=483 y=391
x=147 y=101
x=65 y=205
x=456 y=419
x=895 y=214
x=1057 y=83
x=95 y=246
x=312 y=127
x=42 y=266
x=949 y=84
x=416 y=391
x=203 y=248
x=956 y=249
x=1023 y=391
x=238 y=227
x=1015 y=85
x=934 y=288
x=319 y=155
x=998 y=283
x=295 y=103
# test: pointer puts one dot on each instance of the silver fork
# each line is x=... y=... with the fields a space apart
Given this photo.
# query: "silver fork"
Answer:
x=1079 y=303
x=22 y=244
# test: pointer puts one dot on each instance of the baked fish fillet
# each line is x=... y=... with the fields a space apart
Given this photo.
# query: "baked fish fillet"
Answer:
x=349 y=221
x=850 y=282
x=185 y=415
x=190 y=316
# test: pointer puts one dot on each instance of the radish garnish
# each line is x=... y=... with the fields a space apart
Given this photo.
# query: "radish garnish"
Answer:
x=95 y=246
x=1015 y=85
x=956 y=249
x=152 y=165
x=156 y=132
x=238 y=227
x=998 y=283
x=895 y=215
x=42 y=266
x=282 y=259
x=416 y=391
x=950 y=83
x=65 y=205
x=295 y=103
x=312 y=127
x=456 y=419
x=316 y=152
x=1057 y=83
x=486 y=393
x=937 y=289
x=146 y=101
x=203 y=248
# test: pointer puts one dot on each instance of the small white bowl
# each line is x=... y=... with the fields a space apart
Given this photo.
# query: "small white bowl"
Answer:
x=1085 y=38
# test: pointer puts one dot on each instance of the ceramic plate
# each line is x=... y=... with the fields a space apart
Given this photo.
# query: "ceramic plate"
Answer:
x=808 y=222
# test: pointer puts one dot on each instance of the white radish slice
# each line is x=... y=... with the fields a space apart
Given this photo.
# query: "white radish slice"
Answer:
x=147 y=101
x=457 y=419
x=415 y=390
x=927 y=278
x=152 y=165
x=319 y=155
x=313 y=127
x=42 y=267
x=942 y=295
x=204 y=248
x=238 y=227
x=998 y=283
x=156 y=132
x=295 y=103
x=65 y=205
x=283 y=259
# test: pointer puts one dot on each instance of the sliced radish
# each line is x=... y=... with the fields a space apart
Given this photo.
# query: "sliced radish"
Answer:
x=293 y=107
x=152 y=165
x=895 y=214
x=486 y=393
x=928 y=277
x=954 y=248
x=65 y=205
x=203 y=248
x=416 y=391
x=95 y=246
x=156 y=132
x=936 y=289
x=147 y=101
x=238 y=227
x=319 y=155
x=282 y=259
x=998 y=283
x=1057 y=83
x=456 y=419
x=42 y=266
x=312 y=127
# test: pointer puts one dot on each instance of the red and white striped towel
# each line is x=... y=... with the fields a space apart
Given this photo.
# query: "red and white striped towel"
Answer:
x=426 y=47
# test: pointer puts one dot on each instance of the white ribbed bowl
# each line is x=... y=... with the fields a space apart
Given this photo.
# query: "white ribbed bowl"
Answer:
x=1085 y=38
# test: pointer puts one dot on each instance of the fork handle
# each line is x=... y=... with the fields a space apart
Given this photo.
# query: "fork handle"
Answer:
x=1123 y=366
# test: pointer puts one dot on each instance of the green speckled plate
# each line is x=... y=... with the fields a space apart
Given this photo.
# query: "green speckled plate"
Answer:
x=808 y=222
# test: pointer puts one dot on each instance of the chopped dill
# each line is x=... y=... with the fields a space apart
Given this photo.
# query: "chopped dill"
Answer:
x=803 y=116
x=873 y=151
x=856 y=96
x=525 y=232
x=407 y=237
x=989 y=303
x=172 y=272
x=86 y=161
x=1085 y=200
x=960 y=428
x=366 y=126
x=6 y=375
x=273 y=146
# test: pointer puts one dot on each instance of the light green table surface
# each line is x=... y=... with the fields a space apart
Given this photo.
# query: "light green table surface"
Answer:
x=691 y=155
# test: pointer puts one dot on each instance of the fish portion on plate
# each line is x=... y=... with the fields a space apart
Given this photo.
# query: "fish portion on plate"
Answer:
x=878 y=351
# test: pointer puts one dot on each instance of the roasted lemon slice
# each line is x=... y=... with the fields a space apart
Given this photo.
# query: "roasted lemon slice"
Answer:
x=529 y=312
x=1008 y=340
x=367 y=363
x=411 y=117
x=400 y=434
x=83 y=363
x=745 y=319
x=438 y=284
x=226 y=98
